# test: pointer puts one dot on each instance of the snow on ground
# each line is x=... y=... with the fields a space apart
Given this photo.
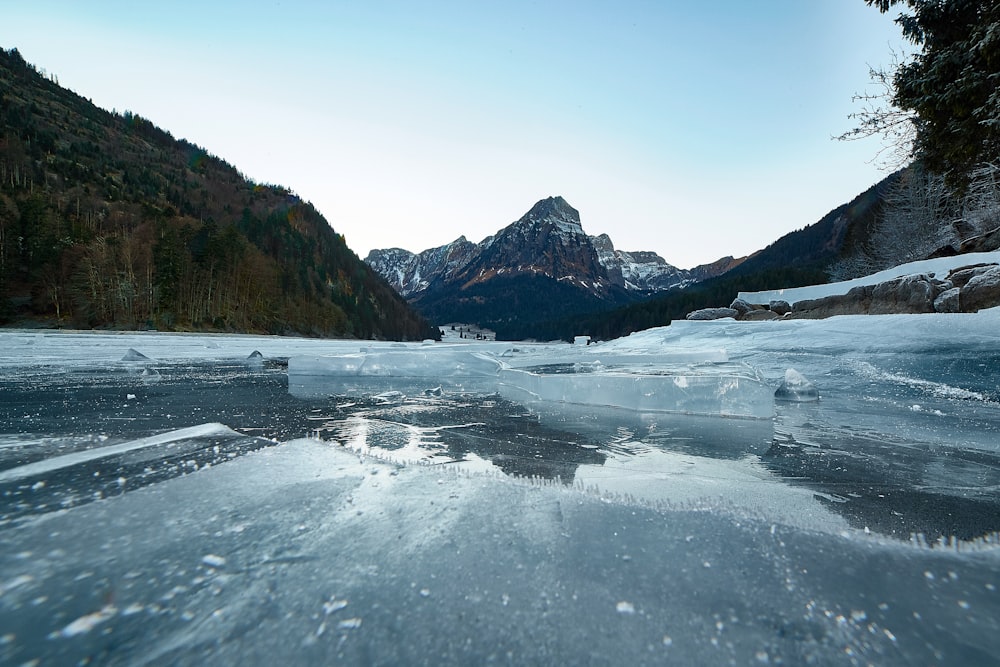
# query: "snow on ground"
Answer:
x=939 y=266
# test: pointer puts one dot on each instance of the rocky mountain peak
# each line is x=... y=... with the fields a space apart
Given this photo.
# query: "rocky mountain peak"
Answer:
x=553 y=210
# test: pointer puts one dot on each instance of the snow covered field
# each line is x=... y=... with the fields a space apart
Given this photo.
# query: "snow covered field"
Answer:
x=199 y=504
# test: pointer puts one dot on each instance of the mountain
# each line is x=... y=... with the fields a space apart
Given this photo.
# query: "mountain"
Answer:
x=638 y=271
x=108 y=221
x=410 y=273
x=540 y=267
x=641 y=271
x=543 y=265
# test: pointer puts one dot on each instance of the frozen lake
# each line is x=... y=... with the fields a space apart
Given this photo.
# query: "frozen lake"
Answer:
x=195 y=504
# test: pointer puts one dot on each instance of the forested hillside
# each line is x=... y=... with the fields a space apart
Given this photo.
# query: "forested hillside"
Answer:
x=108 y=221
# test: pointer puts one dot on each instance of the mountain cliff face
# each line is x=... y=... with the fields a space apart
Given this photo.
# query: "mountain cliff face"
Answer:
x=108 y=221
x=410 y=273
x=642 y=271
x=547 y=241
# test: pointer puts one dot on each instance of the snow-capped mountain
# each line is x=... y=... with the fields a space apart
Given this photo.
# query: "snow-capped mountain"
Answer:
x=410 y=273
x=541 y=268
x=642 y=271
x=548 y=240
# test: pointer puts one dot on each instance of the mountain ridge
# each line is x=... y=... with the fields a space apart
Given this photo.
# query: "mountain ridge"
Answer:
x=107 y=221
x=637 y=271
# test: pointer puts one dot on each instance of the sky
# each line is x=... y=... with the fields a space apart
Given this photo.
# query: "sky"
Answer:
x=695 y=130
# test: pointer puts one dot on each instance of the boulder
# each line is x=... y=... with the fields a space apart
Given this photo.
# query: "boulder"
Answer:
x=741 y=307
x=948 y=301
x=961 y=275
x=909 y=294
x=982 y=291
x=855 y=302
x=780 y=307
x=712 y=314
x=983 y=243
x=759 y=315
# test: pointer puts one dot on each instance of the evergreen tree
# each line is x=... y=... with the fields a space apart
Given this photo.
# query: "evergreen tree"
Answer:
x=952 y=84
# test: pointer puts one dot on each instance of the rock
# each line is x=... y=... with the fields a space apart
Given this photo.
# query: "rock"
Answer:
x=948 y=301
x=987 y=242
x=855 y=302
x=982 y=291
x=960 y=276
x=780 y=307
x=910 y=294
x=944 y=251
x=712 y=314
x=740 y=306
x=759 y=315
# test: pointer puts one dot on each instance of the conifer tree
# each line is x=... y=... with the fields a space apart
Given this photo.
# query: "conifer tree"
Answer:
x=952 y=84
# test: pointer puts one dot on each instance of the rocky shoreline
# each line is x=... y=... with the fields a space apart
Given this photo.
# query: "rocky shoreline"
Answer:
x=965 y=289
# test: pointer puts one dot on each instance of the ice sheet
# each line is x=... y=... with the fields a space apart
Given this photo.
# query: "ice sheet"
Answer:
x=435 y=526
x=423 y=362
x=680 y=381
x=720 y=390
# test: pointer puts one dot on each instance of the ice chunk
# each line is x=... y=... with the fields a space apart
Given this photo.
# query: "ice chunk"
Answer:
x=86 y=623
x=150 y=376
x=211 y=560
x=134 y=355
x=409 y=370
x=413 y=363
x=730 y=390
x=255 y=360
x=795 y=387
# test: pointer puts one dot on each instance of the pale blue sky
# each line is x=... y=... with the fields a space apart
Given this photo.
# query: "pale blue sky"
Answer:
x=693 y=129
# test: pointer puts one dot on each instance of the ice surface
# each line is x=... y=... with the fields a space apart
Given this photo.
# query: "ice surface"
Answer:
x=411 y=370
x=304 y=554
x=451 y=526
x=654 y=382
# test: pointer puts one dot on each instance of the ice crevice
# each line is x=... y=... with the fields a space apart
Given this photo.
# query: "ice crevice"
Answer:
x=76 y=458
